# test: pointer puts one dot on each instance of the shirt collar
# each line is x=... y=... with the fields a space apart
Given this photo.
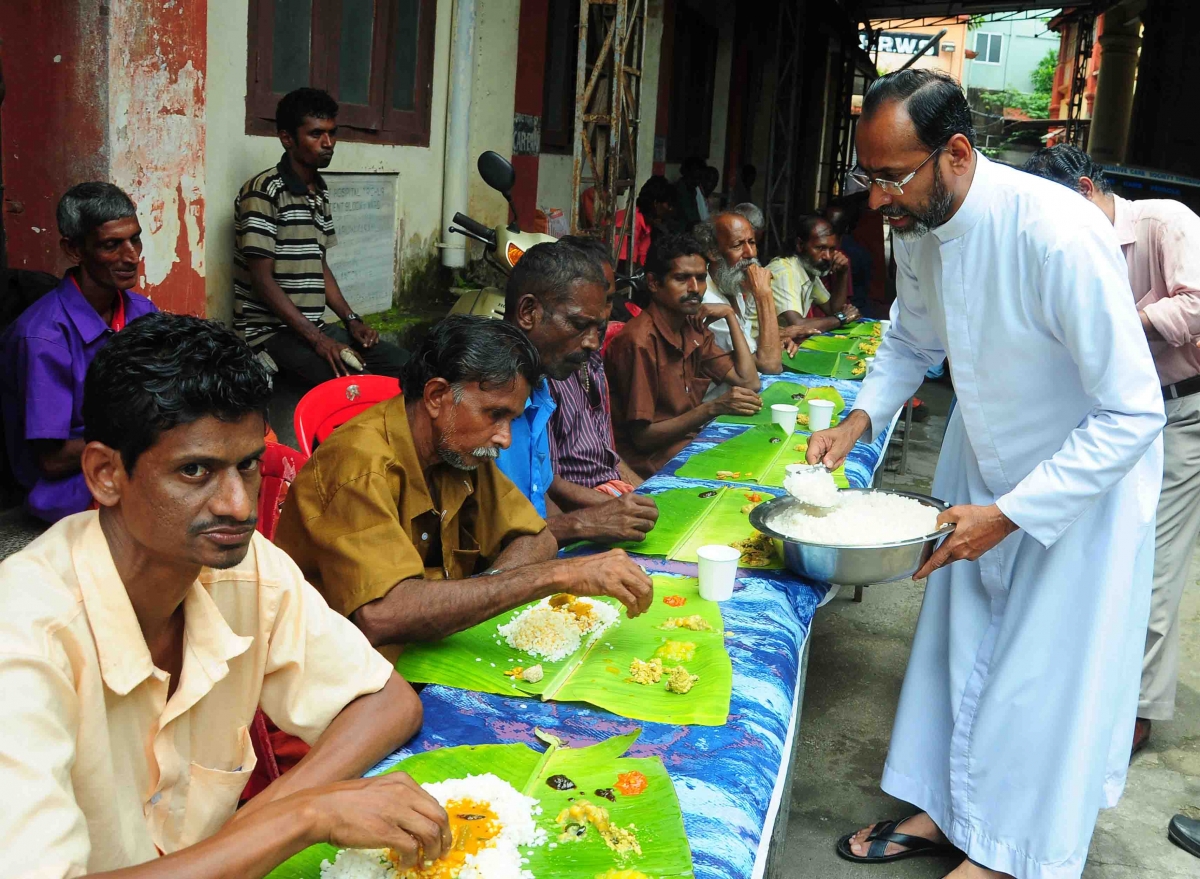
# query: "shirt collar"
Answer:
x=974 y=206
x=454 y=485
x=1124 y=220
x=86 y=319
x=125 y=659
x=292 y=181
x=540 y=406
x=677 y=339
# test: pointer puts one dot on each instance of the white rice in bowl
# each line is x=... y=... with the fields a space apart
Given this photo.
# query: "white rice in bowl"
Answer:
x=551 y=632
x=501 y=859
x=860 y=519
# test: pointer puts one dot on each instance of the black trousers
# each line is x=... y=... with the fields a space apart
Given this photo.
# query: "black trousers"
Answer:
x=297 y=358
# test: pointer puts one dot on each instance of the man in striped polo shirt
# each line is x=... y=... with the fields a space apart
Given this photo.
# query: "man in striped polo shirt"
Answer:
x=283 y=226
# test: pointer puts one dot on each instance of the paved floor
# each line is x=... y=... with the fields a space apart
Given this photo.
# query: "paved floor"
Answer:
x=856 y=665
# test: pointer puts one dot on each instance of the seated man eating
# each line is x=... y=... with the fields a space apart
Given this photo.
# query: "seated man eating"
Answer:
x=796 y=280
x=664 y=360
x=405 y=523
x=136 y=643
x=45 y=354
x=560 y=298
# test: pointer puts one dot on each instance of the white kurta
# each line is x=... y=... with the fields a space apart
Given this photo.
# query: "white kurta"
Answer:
x=1017 y=711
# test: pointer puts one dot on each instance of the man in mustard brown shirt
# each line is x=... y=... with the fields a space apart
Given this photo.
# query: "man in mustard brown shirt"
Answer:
x=136 y=643
x=400 y=509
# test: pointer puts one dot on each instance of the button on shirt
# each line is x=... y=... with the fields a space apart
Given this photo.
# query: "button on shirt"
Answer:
x=794 y=287
x=360 y=517
x=101 y=770
x=526 y=462
x=1161 y=242
x=657 y=373
x=581 y=434
x=44 y=357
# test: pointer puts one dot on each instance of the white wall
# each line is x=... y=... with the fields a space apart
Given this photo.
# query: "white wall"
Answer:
x=554 y=183
x=232 y=156
x=722 y=74
x=492 y=101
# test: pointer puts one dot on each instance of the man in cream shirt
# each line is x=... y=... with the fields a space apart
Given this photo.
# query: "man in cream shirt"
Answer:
x=137 y=641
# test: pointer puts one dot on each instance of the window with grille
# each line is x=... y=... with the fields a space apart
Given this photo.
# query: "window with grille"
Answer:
x=987 y=48
x=375 y=57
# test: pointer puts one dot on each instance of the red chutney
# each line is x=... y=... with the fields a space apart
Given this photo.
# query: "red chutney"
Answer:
x=675 y=600
x=631 y=784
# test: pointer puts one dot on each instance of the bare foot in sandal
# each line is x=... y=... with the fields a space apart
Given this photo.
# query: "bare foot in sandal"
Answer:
x=919 y=825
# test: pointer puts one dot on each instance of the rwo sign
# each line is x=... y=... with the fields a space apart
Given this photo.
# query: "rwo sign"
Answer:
x=899 y=42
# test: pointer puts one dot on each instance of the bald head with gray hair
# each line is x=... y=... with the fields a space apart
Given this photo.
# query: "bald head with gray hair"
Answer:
x=88 y=206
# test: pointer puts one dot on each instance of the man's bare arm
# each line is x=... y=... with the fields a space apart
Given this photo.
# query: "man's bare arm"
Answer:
x=363 y=733
x=263 y=281
x=58 y=458
x=570 y=496
x=648 y=436
x=428 y=610
x=768 y=358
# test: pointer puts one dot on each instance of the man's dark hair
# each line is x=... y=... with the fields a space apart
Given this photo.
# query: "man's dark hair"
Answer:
x=807 y=224
x=692 y=166
x=656 y=189
x=295 y=105
x=164 y=370
x=934 y=101
x=1065 y=164
x=88 y=206
x=593 y=247
x=465 y=348
x=749 y=174
x=550 y=272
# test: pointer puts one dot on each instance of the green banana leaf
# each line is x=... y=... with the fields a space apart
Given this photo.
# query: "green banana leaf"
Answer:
x=836 y=344
x=780 y=392
x=656 y=812
x=748 y=454
x=858 y=328
x=811 y=362
x=679 y=509
x=845 y=366
x=794 y=454
x=726 y=521
x=603 y=679
x=476 y=659
x=830 y=394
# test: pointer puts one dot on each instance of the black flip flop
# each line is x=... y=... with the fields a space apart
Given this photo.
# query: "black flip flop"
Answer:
x=884 y=833
x=1185 y=833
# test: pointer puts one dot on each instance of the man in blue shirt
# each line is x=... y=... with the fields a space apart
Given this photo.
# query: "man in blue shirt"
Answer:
x=558 y=295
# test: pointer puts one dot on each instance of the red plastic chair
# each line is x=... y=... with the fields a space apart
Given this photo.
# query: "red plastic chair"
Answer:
x=333 y=403
x=276 y=751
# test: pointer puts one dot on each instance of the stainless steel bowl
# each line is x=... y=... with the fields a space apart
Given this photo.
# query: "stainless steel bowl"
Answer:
x=851 y=565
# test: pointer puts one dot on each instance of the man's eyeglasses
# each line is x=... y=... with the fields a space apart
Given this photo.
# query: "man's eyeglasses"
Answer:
x=892 y=187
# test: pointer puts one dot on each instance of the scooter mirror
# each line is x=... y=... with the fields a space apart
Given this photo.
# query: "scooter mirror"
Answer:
x=497 y=172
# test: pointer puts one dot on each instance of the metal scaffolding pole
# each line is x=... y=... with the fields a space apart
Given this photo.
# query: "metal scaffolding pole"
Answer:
x=1077 y=127
x=782 y=148
x=607 y=115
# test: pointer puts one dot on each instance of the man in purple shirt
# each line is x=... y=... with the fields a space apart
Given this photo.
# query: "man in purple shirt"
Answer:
x=45 y=354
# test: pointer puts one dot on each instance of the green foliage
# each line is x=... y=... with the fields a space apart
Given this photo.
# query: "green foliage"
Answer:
x=1036 y=106
x=1043 y=74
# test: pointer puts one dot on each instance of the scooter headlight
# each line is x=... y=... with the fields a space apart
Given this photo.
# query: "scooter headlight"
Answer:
x=514 y=254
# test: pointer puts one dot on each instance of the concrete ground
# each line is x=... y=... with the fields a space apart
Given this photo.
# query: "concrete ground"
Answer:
x=856 y=665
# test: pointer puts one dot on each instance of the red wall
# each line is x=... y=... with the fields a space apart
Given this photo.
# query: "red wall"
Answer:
x=53 y=131
x=531 y=74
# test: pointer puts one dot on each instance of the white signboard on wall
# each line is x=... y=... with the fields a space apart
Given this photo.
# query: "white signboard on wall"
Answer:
x=364 y=261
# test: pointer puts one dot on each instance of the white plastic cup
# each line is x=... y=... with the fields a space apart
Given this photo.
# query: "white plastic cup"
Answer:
x=887 y=325
x=718 y=569
x=870 y=362
x=820 y=414
x=784 y=414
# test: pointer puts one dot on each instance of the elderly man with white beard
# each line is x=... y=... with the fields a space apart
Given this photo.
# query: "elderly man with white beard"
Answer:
x=1018 y=704
x=736 y=279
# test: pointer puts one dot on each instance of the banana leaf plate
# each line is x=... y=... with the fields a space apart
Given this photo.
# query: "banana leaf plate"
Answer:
x=758 y=456
x=655 y=812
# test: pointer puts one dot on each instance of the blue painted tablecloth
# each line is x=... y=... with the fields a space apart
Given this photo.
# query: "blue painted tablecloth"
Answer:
x=724 y=776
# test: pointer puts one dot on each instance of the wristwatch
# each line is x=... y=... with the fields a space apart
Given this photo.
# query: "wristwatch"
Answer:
x=841 y=316
x=352 y=316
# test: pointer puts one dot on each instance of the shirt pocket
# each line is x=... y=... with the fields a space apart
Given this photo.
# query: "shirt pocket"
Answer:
x=213 y=794
x=462 y=563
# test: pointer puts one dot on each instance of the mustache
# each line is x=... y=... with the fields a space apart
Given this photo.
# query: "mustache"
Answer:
x=485 y=452
x=222 y=522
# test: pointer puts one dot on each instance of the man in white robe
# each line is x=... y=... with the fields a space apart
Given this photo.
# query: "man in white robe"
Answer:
x=1018 y=704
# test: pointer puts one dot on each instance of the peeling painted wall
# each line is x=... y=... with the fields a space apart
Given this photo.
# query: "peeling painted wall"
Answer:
x=157 y=62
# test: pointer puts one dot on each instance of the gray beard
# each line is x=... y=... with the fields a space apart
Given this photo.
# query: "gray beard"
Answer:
x=462 y=462
x=931 y=215
x=729 y=278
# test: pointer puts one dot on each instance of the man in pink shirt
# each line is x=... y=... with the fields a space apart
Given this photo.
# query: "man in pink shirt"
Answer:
x=1161 y=243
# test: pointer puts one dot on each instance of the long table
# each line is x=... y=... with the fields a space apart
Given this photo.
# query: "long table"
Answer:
x=731 y=780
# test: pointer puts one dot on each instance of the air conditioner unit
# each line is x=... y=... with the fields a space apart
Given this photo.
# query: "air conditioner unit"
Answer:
x=948 y=47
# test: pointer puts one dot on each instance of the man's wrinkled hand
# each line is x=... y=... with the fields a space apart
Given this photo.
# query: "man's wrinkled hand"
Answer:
x=710 y=312
x=852 y=314
x=830 y=447
x=839 y=263
x=629 y=517
x=363 y=334
x=976 y=530
x=737 y=401
x=330 y=351
x=611 y=573
x=758 y=282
